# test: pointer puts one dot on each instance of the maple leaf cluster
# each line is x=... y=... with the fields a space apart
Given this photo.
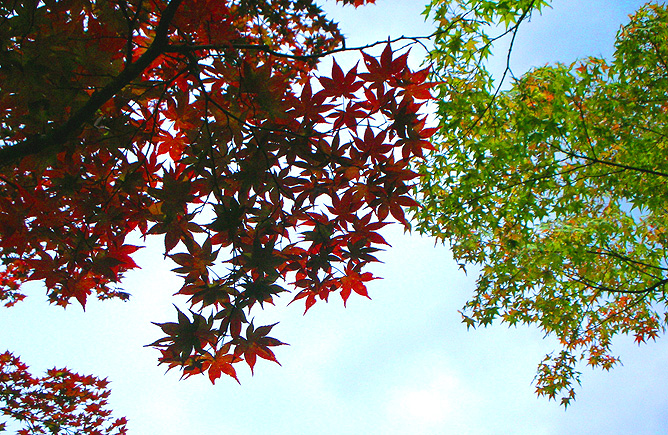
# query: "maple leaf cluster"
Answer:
x=59 y=402
x=554 y=186
x=204 y=123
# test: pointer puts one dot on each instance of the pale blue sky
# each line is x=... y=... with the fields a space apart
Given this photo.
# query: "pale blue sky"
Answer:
x=401 y=363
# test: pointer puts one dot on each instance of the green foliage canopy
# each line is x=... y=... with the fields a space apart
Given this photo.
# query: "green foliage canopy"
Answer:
x=556 y=187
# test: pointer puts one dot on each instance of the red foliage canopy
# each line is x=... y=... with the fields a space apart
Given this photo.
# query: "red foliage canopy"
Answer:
x=60 y=402
x=203 y=122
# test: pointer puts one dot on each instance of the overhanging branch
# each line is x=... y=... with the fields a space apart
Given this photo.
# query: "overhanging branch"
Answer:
x=185 y=48
x=60 y=135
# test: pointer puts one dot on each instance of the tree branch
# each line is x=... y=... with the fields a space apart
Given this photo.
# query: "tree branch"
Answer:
x=185 y=48
x=60 y=135
x=626 y=259
x=607 y=289
x=613 y=164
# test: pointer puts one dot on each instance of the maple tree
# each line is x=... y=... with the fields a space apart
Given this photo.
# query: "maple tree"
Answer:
x=204 y=123
x=555 y=187
x=60 y=402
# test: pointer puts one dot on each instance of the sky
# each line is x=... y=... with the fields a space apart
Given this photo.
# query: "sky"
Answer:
x=400 y=363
